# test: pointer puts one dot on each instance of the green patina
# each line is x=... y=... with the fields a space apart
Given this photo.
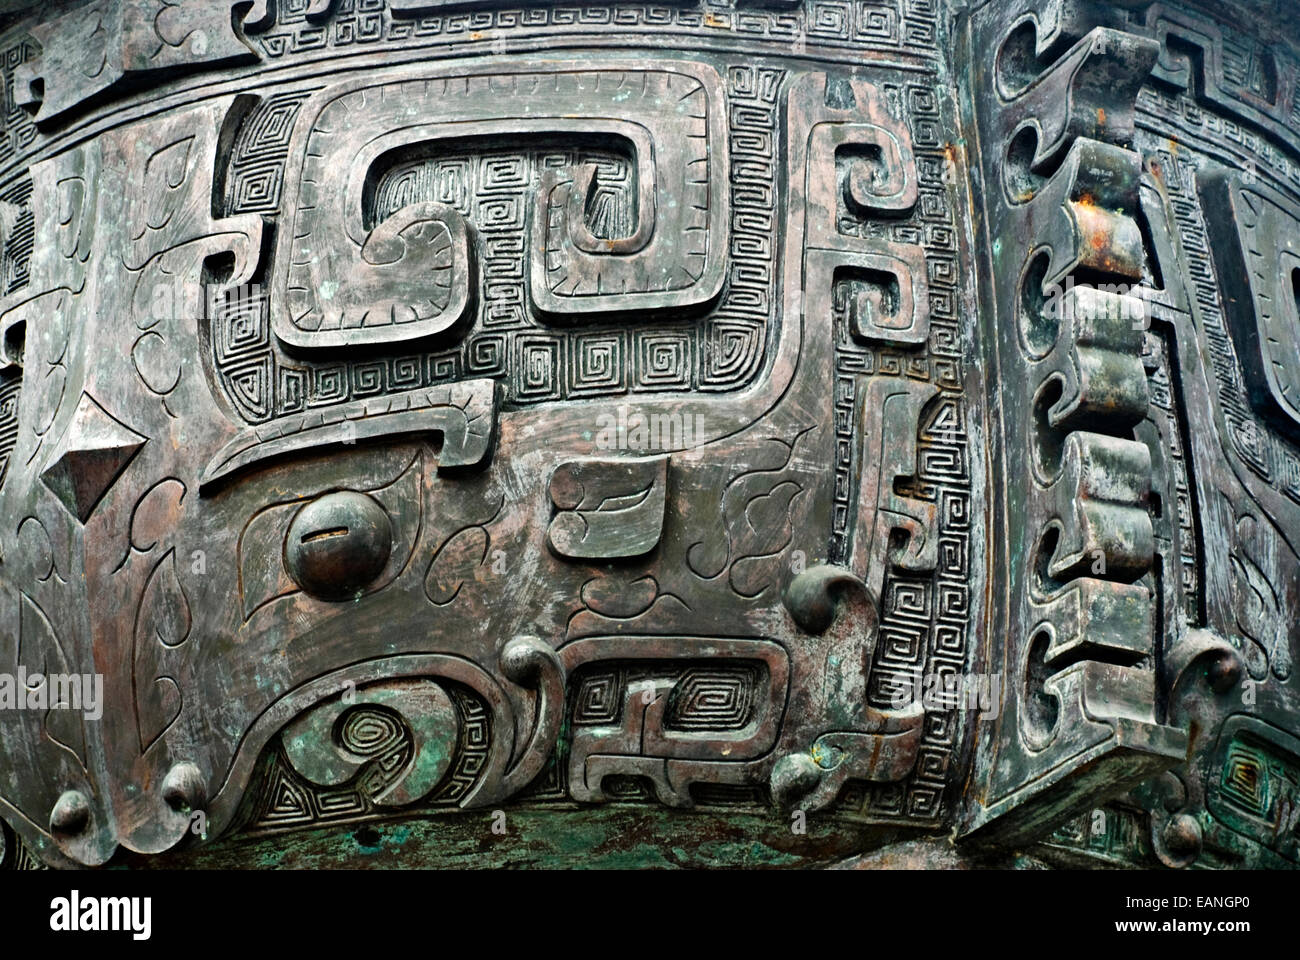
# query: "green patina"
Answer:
x=551 y=835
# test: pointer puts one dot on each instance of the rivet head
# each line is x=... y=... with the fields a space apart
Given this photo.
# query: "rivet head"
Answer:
x=182 y=788
x=338 y=544
x=71 y=813
x=1183 y=835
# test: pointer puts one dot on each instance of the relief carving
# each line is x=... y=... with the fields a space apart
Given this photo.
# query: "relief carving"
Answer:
x=879 y=416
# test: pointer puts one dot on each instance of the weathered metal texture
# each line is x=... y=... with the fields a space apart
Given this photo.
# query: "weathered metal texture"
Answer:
x=1149 y=548
x=415 y=408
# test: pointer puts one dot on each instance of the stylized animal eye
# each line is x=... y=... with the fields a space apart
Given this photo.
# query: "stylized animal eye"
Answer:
x=340 y=538
x=338 y=544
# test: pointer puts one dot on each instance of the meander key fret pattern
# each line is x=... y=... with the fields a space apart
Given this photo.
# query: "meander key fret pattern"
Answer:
x=421 y=407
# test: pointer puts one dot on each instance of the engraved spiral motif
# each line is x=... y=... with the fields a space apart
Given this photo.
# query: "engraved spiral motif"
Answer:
x=392 y=741
x=371 y=732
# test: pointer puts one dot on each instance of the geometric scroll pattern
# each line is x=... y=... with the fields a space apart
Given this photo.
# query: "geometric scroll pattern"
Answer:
x=924 y=615
x=492 y=187
x=753 y=216
x=701 y=698
x=893 y=26
x=283 y=798
x=255 y=174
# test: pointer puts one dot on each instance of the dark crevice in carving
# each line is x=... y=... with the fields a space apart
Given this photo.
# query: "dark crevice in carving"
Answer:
x=1041 y=709
x=15 y=342
x=1019 y=63
x=1045 y=584
x=1169 y=335
x=1152 y=275
x=1295 y=289
x=11 y=385
x=218 y=269
x=1049 y=442
x=728 y=795
x=1038 y=324
x=1159 y=586
x=1022 y=180
x=232 y=127
x=35 y=94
